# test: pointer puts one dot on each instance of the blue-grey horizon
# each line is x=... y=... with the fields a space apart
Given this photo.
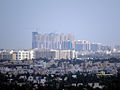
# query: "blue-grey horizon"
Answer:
x=92 y=20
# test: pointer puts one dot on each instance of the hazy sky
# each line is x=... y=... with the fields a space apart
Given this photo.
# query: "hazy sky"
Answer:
x=93 y=20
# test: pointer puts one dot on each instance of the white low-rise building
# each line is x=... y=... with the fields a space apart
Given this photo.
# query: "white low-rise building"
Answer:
x=24 y=54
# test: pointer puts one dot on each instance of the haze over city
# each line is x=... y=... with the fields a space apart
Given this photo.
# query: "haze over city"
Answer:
x=92 y=20
x=59 y=44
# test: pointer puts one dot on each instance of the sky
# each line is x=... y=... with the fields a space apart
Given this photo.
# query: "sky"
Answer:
x=92 y=20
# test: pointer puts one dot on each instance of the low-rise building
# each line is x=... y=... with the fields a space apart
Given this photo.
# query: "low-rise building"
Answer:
x=55 y=54
x=24 y=54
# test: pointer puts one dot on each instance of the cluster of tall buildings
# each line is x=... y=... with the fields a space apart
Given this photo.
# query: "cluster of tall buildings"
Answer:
x=63 y=42
x=56 y=46
x=52 y=41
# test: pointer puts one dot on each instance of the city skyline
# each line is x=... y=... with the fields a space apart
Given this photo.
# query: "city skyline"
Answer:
x=95 y=21
x=62 y=41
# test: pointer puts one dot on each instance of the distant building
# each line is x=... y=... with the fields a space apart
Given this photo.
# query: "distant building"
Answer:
x=44 y=53
x=5 y=55
x=67 y=45
x=117 y=47
x=82 y=45
x=66 y=54
x=105 y=48
x=34 y=39
x=95 y=47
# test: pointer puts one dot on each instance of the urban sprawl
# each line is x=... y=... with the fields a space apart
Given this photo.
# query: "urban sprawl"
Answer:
x=57 y=61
